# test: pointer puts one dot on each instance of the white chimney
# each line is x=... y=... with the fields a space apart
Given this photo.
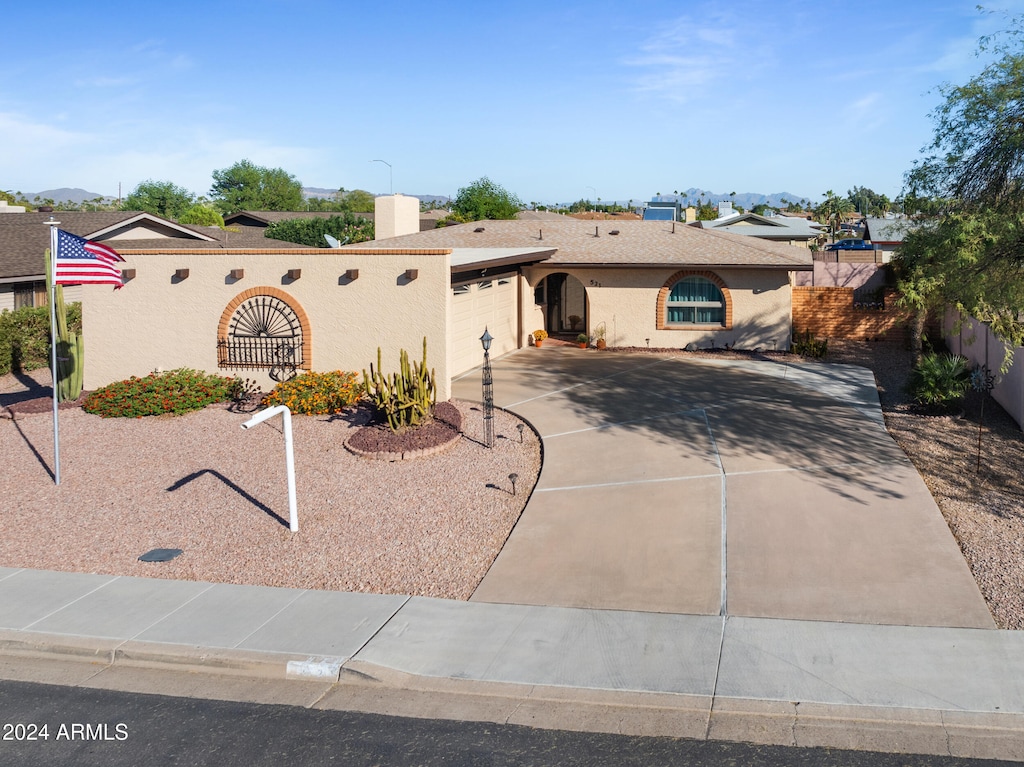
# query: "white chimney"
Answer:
x=395 y=215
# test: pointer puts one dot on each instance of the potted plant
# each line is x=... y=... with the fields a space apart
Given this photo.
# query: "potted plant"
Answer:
x=599 y=333
x=583 y=340
x=574 y=320
x=539 y=336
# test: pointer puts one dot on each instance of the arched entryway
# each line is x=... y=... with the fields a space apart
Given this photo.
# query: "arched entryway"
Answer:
x=566 y=304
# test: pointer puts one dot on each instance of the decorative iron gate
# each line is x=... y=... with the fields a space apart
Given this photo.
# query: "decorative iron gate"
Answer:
x=264 y=333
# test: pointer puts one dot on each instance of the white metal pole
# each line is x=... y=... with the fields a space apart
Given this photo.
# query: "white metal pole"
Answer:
x=53 y=344
x=289 y=456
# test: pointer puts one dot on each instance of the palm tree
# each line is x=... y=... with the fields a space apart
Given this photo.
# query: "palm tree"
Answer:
x=833 y=210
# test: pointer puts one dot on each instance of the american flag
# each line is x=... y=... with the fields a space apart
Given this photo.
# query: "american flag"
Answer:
x=84 y=261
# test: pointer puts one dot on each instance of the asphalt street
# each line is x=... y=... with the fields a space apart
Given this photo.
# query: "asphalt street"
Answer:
x=85 y=727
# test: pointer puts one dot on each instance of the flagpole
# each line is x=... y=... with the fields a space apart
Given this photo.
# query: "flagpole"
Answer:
x=52 y=266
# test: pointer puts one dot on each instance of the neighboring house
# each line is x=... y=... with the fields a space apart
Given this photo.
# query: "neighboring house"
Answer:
x=886 y=234
x=24 y=238
x=787 y=230
x=644 y=283
x=662 y=210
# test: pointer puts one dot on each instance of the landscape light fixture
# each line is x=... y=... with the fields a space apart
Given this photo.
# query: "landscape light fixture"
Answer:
x=512 y=479
x=160 y=555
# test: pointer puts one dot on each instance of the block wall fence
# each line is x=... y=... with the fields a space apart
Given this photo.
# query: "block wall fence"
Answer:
x=828 y=312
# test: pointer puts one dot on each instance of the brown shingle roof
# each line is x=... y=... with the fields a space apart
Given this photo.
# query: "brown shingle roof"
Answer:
x=638 y=243
x=24 y=237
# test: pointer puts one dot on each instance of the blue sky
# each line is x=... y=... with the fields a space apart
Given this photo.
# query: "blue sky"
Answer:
x=555 y=101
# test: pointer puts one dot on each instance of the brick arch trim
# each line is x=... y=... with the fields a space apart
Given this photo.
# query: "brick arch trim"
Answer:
x=245 y=295
x=666 y=289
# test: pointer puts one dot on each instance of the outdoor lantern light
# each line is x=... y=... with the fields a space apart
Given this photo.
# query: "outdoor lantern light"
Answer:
x=488 y=385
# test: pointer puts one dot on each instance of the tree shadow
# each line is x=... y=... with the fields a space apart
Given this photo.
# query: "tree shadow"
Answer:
x=257 y=503
x=769 y=411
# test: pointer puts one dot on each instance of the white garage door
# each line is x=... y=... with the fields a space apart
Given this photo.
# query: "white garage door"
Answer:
x=477 y=305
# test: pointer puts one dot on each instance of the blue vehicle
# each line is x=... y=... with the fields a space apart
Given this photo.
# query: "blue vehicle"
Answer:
x=850 y=244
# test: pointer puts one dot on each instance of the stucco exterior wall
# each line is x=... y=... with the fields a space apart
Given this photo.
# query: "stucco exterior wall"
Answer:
x=842 y=275
x=159 y=322
x=626 y=301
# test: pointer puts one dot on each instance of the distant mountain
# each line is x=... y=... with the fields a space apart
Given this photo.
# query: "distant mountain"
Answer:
x=65 y=194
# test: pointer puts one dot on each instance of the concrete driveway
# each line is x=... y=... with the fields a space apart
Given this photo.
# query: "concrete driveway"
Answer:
x=659 y=469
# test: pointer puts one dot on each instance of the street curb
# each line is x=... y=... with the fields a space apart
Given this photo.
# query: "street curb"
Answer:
x=355 y=685
x=130 y=653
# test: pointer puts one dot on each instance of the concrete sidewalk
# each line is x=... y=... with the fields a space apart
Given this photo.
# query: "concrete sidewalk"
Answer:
x=889 y=688
x=610 y=609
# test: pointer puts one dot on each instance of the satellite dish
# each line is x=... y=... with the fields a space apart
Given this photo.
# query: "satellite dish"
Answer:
x=332 y=241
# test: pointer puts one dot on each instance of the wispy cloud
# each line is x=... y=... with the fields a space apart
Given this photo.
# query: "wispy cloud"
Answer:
x=689 y=53
x=101 y=81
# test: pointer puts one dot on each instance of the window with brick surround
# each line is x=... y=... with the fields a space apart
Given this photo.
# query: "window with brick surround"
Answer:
x=694 y=300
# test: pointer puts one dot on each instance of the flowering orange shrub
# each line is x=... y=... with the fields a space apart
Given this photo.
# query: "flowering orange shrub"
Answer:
x=175 y=391
x=317 y=393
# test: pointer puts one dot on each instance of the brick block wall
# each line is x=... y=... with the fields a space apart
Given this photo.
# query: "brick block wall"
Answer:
x=828 y=312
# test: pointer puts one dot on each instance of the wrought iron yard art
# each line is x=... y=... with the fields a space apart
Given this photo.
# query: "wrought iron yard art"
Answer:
x=264 y=333
x=984 y=382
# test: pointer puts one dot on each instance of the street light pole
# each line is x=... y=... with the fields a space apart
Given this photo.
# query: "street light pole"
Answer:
x=391 y=178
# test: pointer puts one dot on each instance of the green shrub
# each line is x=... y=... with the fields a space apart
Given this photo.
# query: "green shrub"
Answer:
x=25 y=336
x=317 y=393
x=939 y=380
x=807 y=345
x=177 y=391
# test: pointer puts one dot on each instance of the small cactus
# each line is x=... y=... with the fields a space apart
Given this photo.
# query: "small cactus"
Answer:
x=70 y=349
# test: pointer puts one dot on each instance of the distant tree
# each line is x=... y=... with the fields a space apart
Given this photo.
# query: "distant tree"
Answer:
x=245 y=186
x=833 y=211
x=762 y=209
x=17 y=198
x=161 y=198
x=201 y=215
x=706 y=211
x=484 y=199
x=358 y=201
x=346 y=227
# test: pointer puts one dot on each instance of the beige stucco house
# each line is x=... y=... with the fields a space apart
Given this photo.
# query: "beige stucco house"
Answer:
x=644 y=283
x=261 y=309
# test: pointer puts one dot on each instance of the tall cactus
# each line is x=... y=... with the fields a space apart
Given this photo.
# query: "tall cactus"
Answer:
x=406 y=398
x=70 y=350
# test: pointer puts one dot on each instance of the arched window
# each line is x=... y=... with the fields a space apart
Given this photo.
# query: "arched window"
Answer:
x=694 y=300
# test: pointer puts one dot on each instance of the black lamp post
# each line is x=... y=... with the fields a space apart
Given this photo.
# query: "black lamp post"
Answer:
x=485 y=341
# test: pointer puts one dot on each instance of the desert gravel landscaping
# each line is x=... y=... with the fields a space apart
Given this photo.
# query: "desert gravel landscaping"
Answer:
x=428 y=526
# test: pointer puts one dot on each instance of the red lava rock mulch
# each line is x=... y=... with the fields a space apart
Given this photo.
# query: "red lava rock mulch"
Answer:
x=378 y=439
